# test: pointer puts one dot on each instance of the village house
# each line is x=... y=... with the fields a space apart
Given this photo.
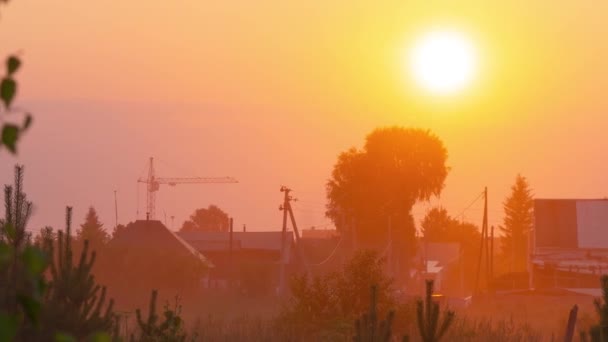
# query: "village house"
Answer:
x=254 y=261
x=569 y=244
x=147 y=255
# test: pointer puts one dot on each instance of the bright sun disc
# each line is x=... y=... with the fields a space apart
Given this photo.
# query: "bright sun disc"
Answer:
x=443 y=62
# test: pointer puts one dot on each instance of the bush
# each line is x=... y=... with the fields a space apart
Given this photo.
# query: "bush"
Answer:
x=325 y=307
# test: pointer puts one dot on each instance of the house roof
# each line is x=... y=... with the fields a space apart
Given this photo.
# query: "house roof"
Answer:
x=218 y=241
x=152 y=234
x=246 y=240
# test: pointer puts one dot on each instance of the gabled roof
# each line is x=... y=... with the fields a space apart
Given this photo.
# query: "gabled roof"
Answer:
x=152 y=234
x=219 y=241
x=246 y=240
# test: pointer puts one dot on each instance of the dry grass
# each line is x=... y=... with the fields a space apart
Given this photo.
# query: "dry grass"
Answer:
x=226 y=317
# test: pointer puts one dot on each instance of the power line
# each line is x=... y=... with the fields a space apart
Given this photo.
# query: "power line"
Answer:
x=471 y=204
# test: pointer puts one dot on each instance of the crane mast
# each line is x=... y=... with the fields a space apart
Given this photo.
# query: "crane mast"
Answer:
x=153 y=185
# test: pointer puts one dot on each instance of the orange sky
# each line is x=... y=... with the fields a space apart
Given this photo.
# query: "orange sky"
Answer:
x=271 y=91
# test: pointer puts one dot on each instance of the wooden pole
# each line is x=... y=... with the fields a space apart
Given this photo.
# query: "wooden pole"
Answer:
x=571 y=324
x=298 y=246
x=492 y=252
x=487 y=237
x=282 y=257
x=230 y=256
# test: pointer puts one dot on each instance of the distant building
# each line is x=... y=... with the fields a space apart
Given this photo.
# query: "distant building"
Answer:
x=435 y=260
x=569 y=244
x=252 y=262
x=146 y=256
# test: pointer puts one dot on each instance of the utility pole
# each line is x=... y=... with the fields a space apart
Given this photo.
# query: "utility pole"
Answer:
x=391 y=266
x=283 y=242
x=487 y=241
x=492 y=252
x=484 y=244
x=115 y=211
x=287 y=210
x=230 y=259
x=172 y=222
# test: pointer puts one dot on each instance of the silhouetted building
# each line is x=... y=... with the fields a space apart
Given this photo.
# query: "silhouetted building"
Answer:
x=146 y=256
x=252 y=262
x=569 y=244
x=435 y=260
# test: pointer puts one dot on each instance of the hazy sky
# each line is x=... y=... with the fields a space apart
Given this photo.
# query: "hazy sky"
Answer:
x=271 y=91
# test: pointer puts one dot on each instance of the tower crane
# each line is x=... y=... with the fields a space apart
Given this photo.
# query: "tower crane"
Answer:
x=153 y=184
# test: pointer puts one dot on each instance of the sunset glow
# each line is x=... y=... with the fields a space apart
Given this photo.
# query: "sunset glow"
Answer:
x=273 y=170
x=443 y=62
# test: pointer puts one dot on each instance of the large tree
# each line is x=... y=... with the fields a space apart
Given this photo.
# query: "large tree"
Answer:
x=210 y=219
x=396 y=168
x=517 y=222
x=93 y=231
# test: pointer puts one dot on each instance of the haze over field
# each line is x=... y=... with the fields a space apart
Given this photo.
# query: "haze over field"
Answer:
x=256 y=92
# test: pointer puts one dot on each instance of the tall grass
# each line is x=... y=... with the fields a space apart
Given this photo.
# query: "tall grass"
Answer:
x=247 y=328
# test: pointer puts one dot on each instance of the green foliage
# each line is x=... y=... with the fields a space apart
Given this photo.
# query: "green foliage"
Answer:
x=369 y=329
x=151 y=329
x=75 y=303
x=93 y=231
x=12 y=64
x=119 y=229
x=11 y=132
x=211 y=219
x=428 y=314
x=599 y=332
x=45 y=234
x=490 y=329
x=517 y=223
x=21 y=267
x=396 y=168
x=8 y=327
x=439 y=226
x=328 y=305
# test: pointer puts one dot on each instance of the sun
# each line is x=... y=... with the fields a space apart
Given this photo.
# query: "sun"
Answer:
x=443 y=62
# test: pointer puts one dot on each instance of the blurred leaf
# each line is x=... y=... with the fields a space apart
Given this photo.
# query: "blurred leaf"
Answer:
x=39 y=286
x=61 y=337
x=101 y=337
x=10 y=134
x=8 y=327
x=12 y=64
x=8 y=88
x=31 y=307
x=28 y=121
x=34 y=259
x=10 y=231
x=5 y=253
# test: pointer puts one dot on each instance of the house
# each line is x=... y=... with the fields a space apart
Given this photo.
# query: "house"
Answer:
x=435 y=260
x=569 y=243
x=254 y=261
x=148 y=235
x=147 y=255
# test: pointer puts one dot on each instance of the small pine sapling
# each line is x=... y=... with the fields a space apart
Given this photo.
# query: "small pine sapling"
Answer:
x=429 y=326
x=599 y=332
x=75 y=303
x=368 y=329
x=171 y=329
